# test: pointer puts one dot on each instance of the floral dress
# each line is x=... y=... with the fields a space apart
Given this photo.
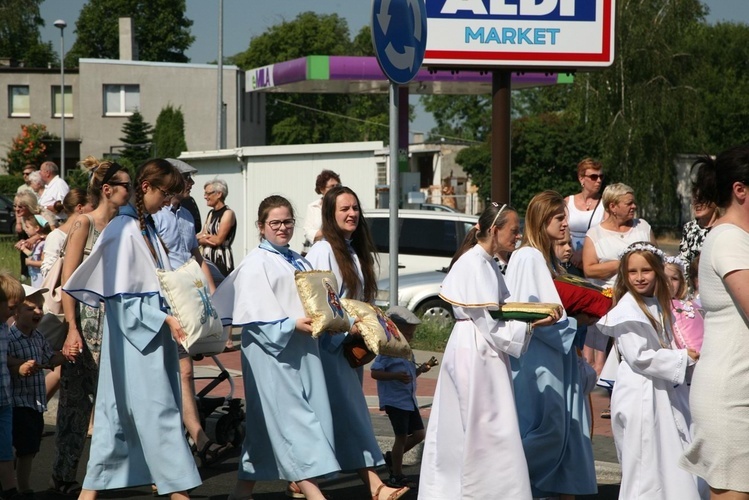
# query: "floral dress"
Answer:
x=692 y=238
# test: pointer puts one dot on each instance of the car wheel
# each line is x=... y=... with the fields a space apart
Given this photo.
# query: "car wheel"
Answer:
x=435 y=310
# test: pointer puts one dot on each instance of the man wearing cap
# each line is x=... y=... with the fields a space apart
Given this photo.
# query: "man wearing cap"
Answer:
x=396 y=389
x=176 y=228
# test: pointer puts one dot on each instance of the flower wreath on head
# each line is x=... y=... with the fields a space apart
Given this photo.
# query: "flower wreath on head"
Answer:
x=643 y=247
x=677 y=260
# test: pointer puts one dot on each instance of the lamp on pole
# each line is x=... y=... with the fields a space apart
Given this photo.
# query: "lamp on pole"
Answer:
x=62 y=24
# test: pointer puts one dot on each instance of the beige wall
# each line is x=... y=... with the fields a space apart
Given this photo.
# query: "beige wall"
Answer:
x=192 y=87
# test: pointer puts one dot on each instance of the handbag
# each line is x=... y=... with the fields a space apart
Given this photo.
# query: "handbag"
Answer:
x=357 y=353
x=189 y=300
x=53 y=281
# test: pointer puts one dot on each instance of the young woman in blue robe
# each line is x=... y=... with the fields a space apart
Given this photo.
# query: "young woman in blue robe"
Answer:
x=348 y=251
x=549 y=397
x=289 y=423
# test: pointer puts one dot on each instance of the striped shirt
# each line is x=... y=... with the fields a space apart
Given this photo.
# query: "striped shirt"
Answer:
x=29 y=392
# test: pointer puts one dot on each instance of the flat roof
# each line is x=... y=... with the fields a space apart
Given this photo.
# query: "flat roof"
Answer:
x=362 y=75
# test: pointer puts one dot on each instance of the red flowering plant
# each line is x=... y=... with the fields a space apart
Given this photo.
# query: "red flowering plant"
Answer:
x=27 y=147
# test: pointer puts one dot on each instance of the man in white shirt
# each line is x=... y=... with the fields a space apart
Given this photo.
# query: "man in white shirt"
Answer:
x=55 y=188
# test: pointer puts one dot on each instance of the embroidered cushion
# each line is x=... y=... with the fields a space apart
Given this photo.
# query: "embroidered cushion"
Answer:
x=318 y=292
x=378 y=331
x=190 y=302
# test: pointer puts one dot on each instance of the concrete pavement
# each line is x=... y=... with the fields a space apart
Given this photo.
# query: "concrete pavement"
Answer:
x=219 y=479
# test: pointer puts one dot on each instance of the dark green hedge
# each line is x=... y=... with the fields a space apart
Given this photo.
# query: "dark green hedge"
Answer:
x=9 y=184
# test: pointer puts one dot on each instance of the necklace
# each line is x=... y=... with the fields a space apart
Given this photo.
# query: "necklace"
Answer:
x=587 y=203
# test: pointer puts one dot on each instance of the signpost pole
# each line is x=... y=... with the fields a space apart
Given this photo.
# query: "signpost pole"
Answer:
x=501 y=134
x=394 y=193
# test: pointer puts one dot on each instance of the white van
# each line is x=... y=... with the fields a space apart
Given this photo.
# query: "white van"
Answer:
x=427 y=240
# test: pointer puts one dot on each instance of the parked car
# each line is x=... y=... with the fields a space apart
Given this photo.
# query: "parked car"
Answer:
x=435 y=207
x=419 y=293
x=7 y=216
x=427 y=240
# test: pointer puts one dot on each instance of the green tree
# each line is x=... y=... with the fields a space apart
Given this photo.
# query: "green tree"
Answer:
x=641 y=110
x=719 y=73
x=27 y=147
x=315 y=118
x=162 y=32
x=169 y=133
x=545 y=148
x=20 y=21
x=137 y=140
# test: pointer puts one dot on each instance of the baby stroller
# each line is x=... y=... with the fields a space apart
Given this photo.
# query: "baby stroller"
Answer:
x=228 y=422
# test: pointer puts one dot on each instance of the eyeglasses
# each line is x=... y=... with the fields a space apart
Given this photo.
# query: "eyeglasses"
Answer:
x=166 y=194
x=209 y=193
x=594 y=177
x=276 y=224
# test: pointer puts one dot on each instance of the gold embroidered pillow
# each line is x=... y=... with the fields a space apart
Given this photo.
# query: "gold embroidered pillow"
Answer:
x=318 y=291
x=190 y=302
x=378 y=331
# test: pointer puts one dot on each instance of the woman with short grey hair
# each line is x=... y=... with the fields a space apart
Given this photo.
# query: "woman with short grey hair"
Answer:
x=220 y=227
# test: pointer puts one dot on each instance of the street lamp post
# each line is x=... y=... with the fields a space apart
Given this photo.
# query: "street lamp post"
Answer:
x=62 y=24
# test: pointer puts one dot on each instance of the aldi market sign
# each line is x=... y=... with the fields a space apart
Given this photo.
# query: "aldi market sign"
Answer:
x=558 y=34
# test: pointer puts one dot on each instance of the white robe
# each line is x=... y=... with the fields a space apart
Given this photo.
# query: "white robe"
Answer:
x=649 y=408
x=473 y=447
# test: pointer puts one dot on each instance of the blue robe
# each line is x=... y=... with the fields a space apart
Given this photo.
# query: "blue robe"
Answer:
x=289 y=429
x=356 y=445
x=138 y=436
x=554 y=421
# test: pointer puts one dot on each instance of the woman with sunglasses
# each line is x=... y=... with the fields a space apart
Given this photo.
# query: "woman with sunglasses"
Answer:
x=138 y=435
x=584 y=209
x=108 y=190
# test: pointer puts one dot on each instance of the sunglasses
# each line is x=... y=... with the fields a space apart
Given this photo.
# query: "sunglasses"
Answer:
x=128 y=186
x=594 y=177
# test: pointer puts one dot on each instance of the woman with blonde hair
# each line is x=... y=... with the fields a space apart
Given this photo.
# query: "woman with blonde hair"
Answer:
x=605 y=242
x=553 y=418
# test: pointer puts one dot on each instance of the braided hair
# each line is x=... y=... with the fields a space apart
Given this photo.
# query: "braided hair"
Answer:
x=159 y=174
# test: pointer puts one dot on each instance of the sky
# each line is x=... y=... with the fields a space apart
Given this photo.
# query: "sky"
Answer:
x=245 y=19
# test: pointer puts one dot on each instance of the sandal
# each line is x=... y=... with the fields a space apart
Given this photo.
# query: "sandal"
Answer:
x=64 y=488
x=294 y=491
x=393 y=496
x=400 y=481
x=606 y=414
x=209 y=456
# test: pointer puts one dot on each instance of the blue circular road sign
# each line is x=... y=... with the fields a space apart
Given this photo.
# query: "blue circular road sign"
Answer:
x=399 y=36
